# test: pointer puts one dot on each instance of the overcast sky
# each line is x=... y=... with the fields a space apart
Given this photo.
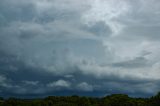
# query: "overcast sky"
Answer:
x=83 y=47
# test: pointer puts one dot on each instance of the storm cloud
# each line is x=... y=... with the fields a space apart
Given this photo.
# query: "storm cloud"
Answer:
x=91 y=47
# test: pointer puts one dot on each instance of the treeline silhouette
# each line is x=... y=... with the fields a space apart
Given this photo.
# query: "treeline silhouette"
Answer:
x=111 y=100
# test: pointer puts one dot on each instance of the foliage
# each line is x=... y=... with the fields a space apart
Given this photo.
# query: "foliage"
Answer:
x=111 y=100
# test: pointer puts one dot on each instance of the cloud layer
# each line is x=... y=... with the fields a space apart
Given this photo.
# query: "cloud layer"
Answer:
x=91 y=47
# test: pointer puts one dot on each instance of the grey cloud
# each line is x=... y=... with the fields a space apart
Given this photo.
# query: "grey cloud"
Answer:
x=65 y=43
x=142 y=32
x=84 y=87
x=31 y=82
x=131 y=89
x=2 y=80
x=135 y=63
x=16 y=11
x=100 y=29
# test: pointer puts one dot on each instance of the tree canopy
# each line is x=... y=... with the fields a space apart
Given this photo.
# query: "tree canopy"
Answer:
x=111 y=100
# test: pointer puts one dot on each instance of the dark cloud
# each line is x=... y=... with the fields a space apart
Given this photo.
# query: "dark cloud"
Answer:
x=79 y=47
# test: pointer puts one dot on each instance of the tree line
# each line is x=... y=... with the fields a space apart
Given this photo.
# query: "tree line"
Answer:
x=111 y=100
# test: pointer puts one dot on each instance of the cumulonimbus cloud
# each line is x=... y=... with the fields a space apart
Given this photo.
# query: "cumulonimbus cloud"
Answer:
x=113 y=44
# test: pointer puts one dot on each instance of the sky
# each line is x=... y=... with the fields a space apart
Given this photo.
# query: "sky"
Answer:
x=87 y=47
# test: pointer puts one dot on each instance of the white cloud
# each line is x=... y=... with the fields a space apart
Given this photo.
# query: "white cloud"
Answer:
x=108 y=11
x=60 y=83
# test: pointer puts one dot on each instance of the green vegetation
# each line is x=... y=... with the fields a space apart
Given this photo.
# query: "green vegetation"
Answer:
x=111 y=100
